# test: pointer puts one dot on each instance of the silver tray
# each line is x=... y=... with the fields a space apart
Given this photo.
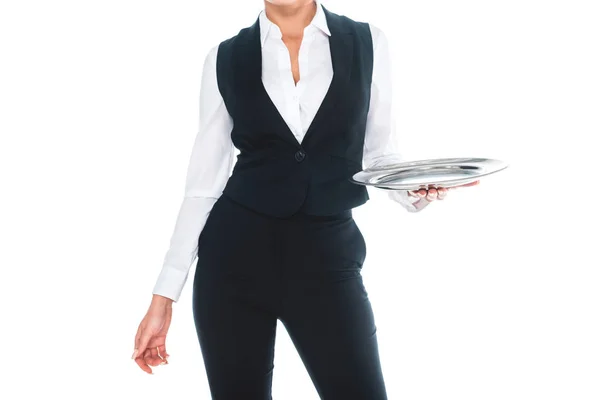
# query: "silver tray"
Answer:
x=388 y=173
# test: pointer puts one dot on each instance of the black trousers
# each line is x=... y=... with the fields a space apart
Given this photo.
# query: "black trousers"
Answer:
x=254 y=269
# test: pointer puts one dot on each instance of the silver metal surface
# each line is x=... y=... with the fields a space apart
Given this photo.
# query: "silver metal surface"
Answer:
x=388 y=173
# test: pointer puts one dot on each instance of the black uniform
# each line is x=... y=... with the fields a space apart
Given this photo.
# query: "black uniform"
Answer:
x=281 y=242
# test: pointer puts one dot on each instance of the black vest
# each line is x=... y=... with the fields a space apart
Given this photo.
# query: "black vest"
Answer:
x=275 y=174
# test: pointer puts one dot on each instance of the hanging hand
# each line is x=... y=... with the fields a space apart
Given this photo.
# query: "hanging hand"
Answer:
x=150 y=339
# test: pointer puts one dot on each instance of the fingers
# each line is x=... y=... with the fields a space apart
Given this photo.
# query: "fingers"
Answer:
x=162 y=354
x=150 y=357
x=142 y=343
x=150 y=350
x=140 y=361
x=441 y=193
x=421 y=193
x=431 y=194
x=154 y=358
x=470 y=184
x=141 y=355
x=136 y=341
x=147 y=352
x=434 y=193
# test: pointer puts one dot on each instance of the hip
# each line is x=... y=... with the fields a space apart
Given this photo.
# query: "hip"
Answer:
x=232 y=227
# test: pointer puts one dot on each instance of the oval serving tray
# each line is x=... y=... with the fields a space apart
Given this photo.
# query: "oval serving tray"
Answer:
x=414 y=175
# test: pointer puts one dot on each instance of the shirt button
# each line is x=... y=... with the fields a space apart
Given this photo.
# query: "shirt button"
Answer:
x=300 y=155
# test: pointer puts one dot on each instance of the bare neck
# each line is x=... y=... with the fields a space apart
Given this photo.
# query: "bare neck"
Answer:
x=292 y=18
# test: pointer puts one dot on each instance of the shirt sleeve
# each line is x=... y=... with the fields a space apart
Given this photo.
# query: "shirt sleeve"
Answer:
x=209 y=168
x=381 y=138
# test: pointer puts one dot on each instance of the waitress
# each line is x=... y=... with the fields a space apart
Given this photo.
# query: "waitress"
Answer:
x=304 y=94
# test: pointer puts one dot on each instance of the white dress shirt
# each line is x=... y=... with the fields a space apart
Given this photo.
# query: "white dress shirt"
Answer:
x=213 y=153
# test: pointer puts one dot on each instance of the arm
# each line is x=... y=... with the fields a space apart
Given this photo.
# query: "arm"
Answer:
x=208 y=170
x=381 y=138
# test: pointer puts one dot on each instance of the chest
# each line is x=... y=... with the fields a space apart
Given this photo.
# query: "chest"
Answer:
x=296 y=75
x=293 y=46
x=326 y=107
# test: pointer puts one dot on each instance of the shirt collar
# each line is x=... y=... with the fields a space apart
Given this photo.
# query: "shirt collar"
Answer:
x=267 y=27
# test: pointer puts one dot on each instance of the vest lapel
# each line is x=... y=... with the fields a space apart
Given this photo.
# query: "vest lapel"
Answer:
x=248 y=67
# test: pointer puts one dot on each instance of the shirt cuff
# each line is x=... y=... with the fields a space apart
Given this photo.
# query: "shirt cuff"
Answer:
x=170 y=282
x=410 y=203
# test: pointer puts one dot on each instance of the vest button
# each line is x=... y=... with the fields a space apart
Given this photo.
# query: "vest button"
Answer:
x=300 y=155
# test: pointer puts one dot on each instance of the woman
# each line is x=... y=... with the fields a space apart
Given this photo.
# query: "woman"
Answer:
x=305 y=95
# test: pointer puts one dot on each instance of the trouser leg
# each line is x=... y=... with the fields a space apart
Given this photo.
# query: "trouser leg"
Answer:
x=237 y=340
x=327 y=312
x=233 y=301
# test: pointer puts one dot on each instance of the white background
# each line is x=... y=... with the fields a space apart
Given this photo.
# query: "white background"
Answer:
x=490 y=294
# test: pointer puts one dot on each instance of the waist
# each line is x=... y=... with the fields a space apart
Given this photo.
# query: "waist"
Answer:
x=346 y=214
x=298 y=215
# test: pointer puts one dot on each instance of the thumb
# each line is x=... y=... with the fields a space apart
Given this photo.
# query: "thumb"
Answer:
x=142 y=343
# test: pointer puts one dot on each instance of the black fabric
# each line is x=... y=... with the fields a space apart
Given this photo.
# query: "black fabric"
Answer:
x=274 y=174
x=253 y=270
